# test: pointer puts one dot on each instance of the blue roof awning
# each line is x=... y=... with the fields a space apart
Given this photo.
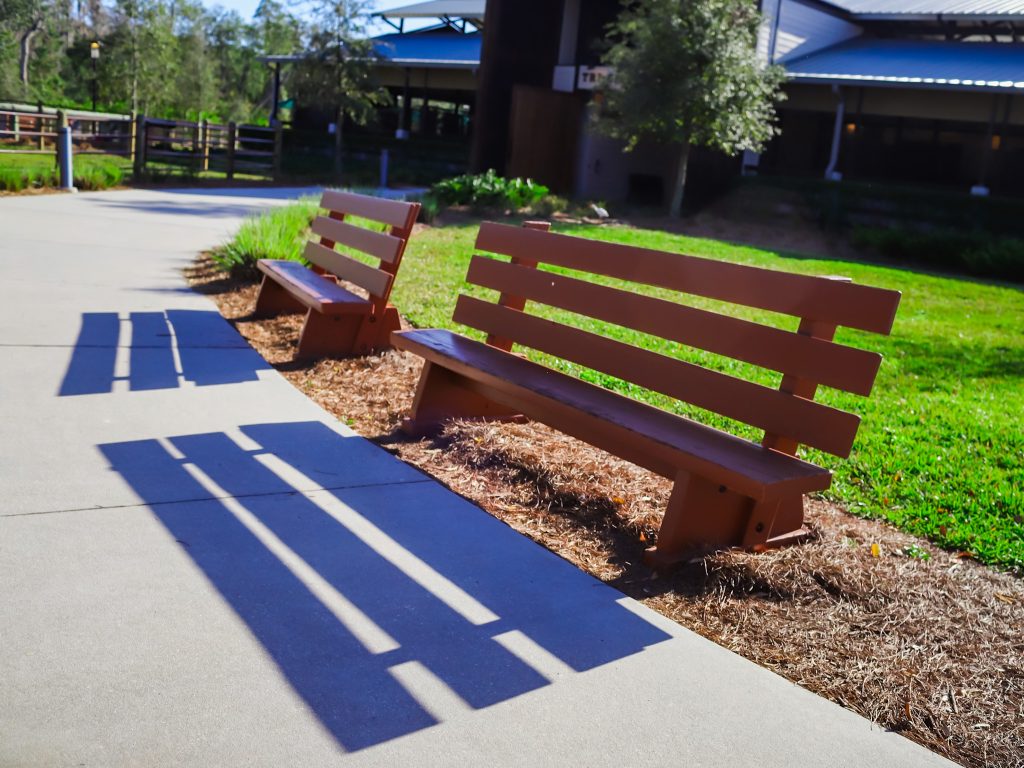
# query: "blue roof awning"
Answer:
x=441 y=49
x=940 y=64
x=907 y=10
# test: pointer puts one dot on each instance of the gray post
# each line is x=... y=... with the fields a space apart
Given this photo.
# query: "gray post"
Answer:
x=64 y=160
x=837 y=132
x=139 y=144
x=384 y=168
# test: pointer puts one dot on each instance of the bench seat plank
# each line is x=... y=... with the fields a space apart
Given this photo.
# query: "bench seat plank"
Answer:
x=314 y=291
x=648 y=436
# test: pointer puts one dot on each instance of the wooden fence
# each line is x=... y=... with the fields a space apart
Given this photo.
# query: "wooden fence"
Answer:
x=152 y=144
x=34 y=132
x=196 y=147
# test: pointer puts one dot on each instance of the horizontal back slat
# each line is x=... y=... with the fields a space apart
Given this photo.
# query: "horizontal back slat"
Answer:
x=393 y=212
x=810 y=423
x=375 y=281
x=816 y=298
x=846 y=368
x=377 y=244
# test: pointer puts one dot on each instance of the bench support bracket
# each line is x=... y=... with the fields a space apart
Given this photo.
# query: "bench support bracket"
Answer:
x=273 y=300
x=328 y=335
x=442 y=395
x=703 y=516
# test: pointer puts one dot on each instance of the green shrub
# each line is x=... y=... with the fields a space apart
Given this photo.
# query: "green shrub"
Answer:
x=430 y=206
x=488 y=190
x=277 y=234
x=97 y=176
x=975 y=254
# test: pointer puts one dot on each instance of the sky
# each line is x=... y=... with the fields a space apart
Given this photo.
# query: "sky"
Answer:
x=246 y=8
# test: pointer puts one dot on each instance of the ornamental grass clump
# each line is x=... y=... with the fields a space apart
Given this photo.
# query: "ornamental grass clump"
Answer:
x=277 y=234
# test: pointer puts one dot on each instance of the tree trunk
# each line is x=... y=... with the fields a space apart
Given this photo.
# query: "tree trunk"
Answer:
x=26 y=48
x=676 y=209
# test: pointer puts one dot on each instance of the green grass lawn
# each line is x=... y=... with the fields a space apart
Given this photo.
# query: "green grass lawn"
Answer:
x=940 y=452
x=18 y=172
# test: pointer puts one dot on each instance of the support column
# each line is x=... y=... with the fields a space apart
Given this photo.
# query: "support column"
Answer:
x=831 y=174
x=406 y=114
x=981 y=188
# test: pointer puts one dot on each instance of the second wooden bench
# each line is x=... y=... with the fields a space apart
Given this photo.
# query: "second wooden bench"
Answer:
x=340 y=322
x=728 y=491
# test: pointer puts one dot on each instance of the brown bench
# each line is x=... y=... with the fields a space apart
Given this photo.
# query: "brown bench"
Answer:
x=728 y=491
x=340 y=322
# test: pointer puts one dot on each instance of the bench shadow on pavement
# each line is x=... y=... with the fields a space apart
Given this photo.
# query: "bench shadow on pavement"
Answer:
x=358 y=590
x=165 y=348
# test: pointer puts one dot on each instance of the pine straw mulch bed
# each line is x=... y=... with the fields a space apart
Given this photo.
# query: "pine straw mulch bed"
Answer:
x=919 y=640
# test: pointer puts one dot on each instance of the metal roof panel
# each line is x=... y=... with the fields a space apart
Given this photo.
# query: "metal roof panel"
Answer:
x=436 y=48
x=915 y=63
x=895 y=9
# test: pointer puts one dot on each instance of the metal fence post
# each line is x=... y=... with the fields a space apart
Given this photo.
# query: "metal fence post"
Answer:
x=232 y=137
x=139 y=146
x=64 y=159
x=39 y=126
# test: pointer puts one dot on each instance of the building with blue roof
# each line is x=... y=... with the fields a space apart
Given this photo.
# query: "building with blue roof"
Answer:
x=905 y=91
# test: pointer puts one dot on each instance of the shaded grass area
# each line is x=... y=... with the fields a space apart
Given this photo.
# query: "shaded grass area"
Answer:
x=21 y=172
x=940 y=452
x=94 y=172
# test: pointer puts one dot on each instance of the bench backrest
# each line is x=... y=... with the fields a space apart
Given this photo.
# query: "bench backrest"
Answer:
x=807 y=357
x=388 y=246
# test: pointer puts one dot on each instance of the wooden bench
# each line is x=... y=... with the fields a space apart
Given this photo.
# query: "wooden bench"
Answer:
x=340 y=322
x=728 y=491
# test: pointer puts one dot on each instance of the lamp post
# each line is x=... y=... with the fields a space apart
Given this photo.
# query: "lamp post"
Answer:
x=94 y=54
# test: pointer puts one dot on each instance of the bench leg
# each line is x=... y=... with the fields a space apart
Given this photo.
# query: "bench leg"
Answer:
x=442 y=395
x=375 y=332
x=274 y=300
x=327 y=336
x=702 y=516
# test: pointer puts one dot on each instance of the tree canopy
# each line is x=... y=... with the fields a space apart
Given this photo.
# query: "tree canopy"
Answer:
x=686 y=72
x=175 y=58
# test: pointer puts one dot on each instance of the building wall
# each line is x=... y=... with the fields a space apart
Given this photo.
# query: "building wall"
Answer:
x=520 y=47
x=432 y=79
x=922 y=103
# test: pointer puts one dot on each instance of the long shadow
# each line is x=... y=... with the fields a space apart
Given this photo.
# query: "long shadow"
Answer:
x=372 y=545
x=206 y=347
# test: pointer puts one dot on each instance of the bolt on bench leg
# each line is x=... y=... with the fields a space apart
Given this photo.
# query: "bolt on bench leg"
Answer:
x=442 y=395
x=375 y=331
x=273 y=299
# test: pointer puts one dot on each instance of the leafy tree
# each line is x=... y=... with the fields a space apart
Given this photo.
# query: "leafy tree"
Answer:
x=685 y=72
x=338 y=71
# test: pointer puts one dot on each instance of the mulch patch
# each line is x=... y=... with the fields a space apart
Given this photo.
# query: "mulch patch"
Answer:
x=921 y=641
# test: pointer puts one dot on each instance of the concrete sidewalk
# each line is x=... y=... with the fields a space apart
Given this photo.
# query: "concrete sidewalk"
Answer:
x=200 y=567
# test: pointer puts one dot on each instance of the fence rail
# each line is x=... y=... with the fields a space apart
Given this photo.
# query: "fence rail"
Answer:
x=202 y=146
x=24 y=132
x=152 y=144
